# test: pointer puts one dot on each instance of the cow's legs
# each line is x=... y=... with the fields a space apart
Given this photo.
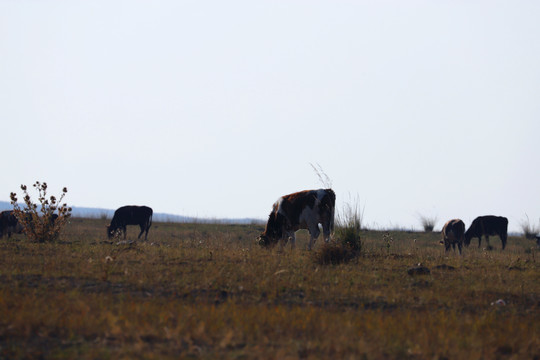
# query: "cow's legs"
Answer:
x=503 y=240
x=311 y=242
x=142 y=230
x=459 y=247
x=326 y=232
x=446 y=245
x=293 y=241
x=479 y=241
x=147 y=228
x=125 y=231
x=283 y=242
x=314 y=233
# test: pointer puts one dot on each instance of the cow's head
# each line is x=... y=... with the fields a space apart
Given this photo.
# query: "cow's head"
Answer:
x=467 y=238
x=267 y=240
x=273 y=231
x=111 y=231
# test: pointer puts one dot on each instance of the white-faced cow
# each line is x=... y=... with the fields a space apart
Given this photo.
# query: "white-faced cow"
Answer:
x=9 y=224
x=453 y=232
x=131 y=215
x=487 y=225
x=302 y=210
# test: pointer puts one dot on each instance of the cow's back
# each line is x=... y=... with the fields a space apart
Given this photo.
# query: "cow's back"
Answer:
x=492 y=225
x=454 y=227
x=308 y=205
x=131 y=214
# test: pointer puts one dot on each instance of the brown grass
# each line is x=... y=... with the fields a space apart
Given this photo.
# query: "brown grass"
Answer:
x=208 y=291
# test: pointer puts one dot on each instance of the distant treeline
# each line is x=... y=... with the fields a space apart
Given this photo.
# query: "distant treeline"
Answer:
x=100 y=213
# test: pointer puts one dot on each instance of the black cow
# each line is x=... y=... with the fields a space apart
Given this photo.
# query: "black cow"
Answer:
x=131 y=215
x=538 y=241
x=9 y=224
x=487 y=225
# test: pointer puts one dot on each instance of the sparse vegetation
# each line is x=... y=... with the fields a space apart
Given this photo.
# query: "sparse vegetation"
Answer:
x=324 y=179
x=206 y=291
x=347 y=243
x=41 y=222
x=529 y=230
x=427 y=222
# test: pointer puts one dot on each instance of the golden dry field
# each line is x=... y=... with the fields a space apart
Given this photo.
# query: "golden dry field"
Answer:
x=207 y=291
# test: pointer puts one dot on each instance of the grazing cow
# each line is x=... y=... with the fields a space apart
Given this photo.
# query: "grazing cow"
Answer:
x=301 y=210
x=487 y=225
x=453 y=232
x=538 y=241
x=9 y=224
x=131 y=215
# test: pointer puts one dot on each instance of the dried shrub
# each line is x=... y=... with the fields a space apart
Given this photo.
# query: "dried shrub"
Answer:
x=41 y=222
x=347 y=243
x=529 y=230
x=428 y=223
x=333 y=253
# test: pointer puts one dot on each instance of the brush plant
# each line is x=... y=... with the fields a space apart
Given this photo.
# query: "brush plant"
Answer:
x=41 y=221
x=347 y=243
x=529 y=230
x=428 y=223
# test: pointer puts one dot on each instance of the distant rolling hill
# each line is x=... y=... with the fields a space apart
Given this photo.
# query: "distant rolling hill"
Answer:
x=101 y=213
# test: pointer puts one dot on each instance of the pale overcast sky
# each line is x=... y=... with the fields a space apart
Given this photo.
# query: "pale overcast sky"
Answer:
x=217 y=108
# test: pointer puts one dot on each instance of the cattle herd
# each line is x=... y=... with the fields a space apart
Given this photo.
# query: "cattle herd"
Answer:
x=301 y=210
x=454 y=233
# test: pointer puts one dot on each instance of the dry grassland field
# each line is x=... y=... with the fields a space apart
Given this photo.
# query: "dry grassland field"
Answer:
x=207 y=291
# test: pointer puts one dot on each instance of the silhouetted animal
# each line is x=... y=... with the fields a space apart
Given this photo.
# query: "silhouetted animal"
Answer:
x=131 y=215
x=9 y=224
x=487 y=225
x=301 y=210
x=453 y=232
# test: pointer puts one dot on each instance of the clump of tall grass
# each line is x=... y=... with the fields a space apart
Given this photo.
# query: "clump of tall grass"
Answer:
x=427 y=222
x=323 y=177
x=529 y=230
x=43 y=222
x=347 y=243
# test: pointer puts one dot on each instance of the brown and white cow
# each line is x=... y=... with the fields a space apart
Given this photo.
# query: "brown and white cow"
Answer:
x=453 y=232
x=487 y=225
x=301 y=210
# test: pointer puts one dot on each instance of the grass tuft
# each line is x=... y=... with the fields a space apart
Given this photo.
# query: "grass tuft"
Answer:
x=333 y=253
x=529 y=230
x=347 y=243
x=427 y=222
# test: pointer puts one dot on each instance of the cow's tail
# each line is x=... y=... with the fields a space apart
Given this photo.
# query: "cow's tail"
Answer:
x=150 y=219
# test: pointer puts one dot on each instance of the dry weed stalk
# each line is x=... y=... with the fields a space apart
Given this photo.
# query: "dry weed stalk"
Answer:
x=43 y=222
